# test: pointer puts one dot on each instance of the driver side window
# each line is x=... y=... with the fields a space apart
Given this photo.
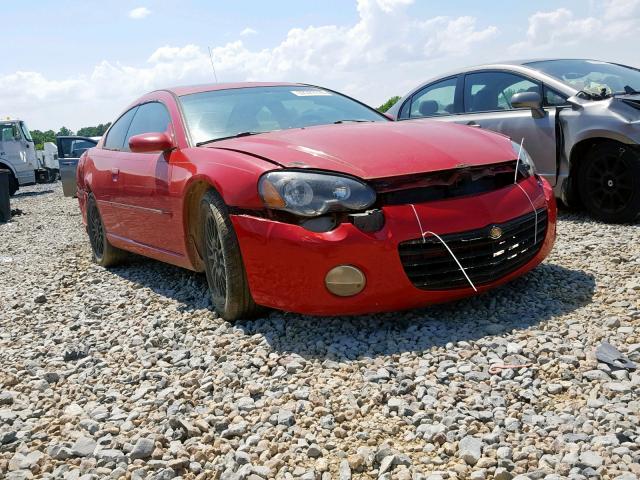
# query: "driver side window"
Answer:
x=492 y=91
x=150 y=117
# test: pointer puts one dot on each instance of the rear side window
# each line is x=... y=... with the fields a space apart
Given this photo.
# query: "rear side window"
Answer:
x=435 y=100
x=491 y=91
x=150 y=118
x=118 y=131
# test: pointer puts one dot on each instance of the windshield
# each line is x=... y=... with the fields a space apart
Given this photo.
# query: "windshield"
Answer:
x=593 y=77
x=26 y=132
x=221 y=114
x=8 y=132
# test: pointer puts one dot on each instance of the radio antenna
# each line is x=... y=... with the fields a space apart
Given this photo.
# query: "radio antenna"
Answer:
x=213 y=67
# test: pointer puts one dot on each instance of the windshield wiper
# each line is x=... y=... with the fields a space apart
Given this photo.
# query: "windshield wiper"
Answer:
x=237 y=135
x=349 y=121
x=627 y=91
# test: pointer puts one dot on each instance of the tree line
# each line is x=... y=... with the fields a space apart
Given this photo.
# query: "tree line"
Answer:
x=40 y=137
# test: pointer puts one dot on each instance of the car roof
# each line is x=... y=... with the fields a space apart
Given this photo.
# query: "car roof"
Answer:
x=191 y=89
x=524 y=63
x=522 y=66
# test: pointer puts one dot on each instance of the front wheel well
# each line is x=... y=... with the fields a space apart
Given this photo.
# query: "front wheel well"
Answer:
x=4 y=166
x=193 y=228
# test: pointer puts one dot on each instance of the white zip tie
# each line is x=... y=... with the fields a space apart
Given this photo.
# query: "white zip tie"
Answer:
x=424 y=233
x=515 y=182
x=515 y=177
x=535 y=212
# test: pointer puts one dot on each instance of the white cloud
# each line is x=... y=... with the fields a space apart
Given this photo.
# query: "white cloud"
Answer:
x=248 y=31
x=561 y=30
x=139 y=13
x=384 y=53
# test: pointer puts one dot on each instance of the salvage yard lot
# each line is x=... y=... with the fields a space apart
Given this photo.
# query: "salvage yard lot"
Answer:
x=107 y=372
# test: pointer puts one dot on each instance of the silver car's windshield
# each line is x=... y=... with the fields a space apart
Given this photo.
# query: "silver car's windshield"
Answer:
x=220 y=114
x=593 y=77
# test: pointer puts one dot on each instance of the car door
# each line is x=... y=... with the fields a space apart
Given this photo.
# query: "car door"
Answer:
x=487 y=104
x=144 y=199
x=105 y=182
x=69 y=151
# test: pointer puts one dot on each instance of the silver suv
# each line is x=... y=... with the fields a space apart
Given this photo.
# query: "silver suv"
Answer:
x=580 y=121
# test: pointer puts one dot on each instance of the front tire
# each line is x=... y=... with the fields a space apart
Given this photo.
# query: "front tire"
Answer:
x=226 y=276
x=13 y=184
x=609 y=181
x=103 y=253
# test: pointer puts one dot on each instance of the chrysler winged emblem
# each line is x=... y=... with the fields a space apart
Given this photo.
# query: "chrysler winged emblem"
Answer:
x=495 y=233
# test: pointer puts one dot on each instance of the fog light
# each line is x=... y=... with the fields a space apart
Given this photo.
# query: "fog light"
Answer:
x=345 y=280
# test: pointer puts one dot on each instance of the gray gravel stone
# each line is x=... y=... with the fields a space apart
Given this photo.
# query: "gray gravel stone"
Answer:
x=166 y=389
x=590 y=459
x=143 y=448
x=470 y=450
x=83 y=447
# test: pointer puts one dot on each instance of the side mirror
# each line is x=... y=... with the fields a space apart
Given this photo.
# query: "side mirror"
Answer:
x=530 y=100
x=389 y=116
x=150 y=142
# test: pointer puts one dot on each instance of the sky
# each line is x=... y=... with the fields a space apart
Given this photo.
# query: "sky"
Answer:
x=81 y=62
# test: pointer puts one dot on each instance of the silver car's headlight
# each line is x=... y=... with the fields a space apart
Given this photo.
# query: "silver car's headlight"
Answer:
x=311 y=194
x=526 y=165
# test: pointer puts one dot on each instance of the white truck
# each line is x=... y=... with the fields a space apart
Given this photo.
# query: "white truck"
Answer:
x=18 y=155
x=48 y=159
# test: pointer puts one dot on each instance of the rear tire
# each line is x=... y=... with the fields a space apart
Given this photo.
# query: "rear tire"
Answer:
x=609 y=183
x=13 y=185
x=224 y=267
x=103 y=253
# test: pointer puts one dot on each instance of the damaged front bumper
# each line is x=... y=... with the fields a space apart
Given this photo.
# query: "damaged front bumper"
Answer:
x=287 y=264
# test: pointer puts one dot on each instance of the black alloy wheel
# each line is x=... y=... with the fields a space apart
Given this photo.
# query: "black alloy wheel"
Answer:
x=95 y=230
x=104 y=254
x=215 y=261
x=223 y=262
x=610 y=183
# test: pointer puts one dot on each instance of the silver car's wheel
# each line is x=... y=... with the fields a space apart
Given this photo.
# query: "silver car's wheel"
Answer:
x=610 y=183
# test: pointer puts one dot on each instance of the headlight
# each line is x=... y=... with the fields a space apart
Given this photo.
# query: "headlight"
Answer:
x=312 y=194
x=526 y=165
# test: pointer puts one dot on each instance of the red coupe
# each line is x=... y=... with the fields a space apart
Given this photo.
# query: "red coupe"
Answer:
x=299 y=198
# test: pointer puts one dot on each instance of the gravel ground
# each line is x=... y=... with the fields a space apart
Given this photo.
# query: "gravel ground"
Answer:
x=127 y=373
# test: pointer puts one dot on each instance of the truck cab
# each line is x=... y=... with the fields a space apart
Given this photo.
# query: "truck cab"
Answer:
x=18 y=154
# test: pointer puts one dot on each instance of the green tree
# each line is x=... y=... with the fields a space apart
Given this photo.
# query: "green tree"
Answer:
x=94 y=131
x=39 y=138
x=388 y=104
x=64 y=132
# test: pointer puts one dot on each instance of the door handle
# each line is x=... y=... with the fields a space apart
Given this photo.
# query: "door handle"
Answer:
x=473 y=124
x=115 y=172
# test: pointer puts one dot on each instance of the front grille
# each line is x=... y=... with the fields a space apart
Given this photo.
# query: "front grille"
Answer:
x=430 y=266
x=446 y=184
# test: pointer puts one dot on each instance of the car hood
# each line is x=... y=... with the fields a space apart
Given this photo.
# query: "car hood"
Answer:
x=377 y=149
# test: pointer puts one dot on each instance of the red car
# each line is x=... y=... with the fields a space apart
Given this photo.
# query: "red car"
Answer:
x=302 y=199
